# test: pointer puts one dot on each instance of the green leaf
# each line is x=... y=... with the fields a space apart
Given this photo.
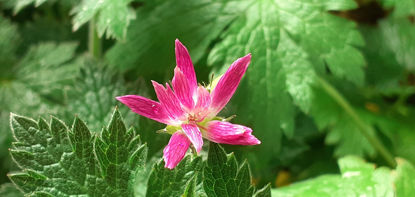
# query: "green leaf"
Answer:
x=290 y=41
x=357 y=179
x=9 y=190
x=264 y=192
x=112 y=17
x=404 y=179
x=95 y=90
x=383 y=70
x=222 y=176
x=9 y=41
x=401 y=8
x=398 y=36
x=150 y=40
x=342 y=129
x=20 y=4
x=180 y=180
x=57 y=161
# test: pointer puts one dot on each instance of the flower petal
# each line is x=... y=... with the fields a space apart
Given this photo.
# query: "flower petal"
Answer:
x=228 y=83
x=203 y=98
x=174 y=152
x=145 y=107
x=228 y=133
x=182 y=89
x=184 y=62
x=195 y=136
x=169 y=101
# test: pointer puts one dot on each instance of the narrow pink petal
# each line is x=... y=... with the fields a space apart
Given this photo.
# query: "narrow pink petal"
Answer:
x=145 y=107
x=174 y=152
x=203 y=98
x=228 y=133
x=184 y=62
x=182 y=89
x=228 y=83
x=195 y=136
x=169 y=101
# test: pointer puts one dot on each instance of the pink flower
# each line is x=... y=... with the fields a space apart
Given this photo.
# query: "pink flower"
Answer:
x=190 y=109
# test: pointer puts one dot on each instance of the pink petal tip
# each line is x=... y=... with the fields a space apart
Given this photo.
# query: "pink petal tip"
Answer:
x=228 y=133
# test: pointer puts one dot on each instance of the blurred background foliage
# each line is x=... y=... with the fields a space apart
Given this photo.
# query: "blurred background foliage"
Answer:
x=327 y=78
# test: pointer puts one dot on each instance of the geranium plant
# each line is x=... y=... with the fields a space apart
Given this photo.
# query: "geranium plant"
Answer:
x=292 y=98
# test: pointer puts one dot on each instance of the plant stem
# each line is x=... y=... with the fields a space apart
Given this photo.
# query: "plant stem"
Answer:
x=94 y=43
x=365 y=129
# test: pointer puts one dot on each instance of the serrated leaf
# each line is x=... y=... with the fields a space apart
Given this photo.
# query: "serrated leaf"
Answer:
x=57 y=161
x=290 y=42
x=264 y=192
x=95 y=90
x=342 y=129
x=112 y=17
x=357 y=179
x=150 y=40
x=166 y=182
x=223 y=176
x=20 y=4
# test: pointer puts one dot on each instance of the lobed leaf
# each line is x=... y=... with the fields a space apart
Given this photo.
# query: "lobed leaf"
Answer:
x=222 y=176
x=57 y=161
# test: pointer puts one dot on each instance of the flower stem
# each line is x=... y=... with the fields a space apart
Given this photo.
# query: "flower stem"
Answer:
x=94 y=43
x=365 y=129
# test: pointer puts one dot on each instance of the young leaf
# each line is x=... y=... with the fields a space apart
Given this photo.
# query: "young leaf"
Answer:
x=177 y=182
x=112 y=16
x=57 y=161
x=357 y=179
x=150 y=40
x=222 y=176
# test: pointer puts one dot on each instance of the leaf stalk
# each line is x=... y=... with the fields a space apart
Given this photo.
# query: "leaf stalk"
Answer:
x=365 y=129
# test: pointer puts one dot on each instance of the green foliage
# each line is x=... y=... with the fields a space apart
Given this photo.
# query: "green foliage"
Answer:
x=401 y=8
x=58 y=161
x=222 y=176
x=94 y=93
x=112 y=16
x=357 y=179
x=289 y=49
x=177 y=182
x=196 y=23
x=328 y=78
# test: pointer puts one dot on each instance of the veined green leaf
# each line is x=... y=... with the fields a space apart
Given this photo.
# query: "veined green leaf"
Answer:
x=357 y=178
x=290 y=41
x=112 y=17
x=177 y=182
x=150 y=39
x=222 y=176
x=94 y=93
x=57 y=161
